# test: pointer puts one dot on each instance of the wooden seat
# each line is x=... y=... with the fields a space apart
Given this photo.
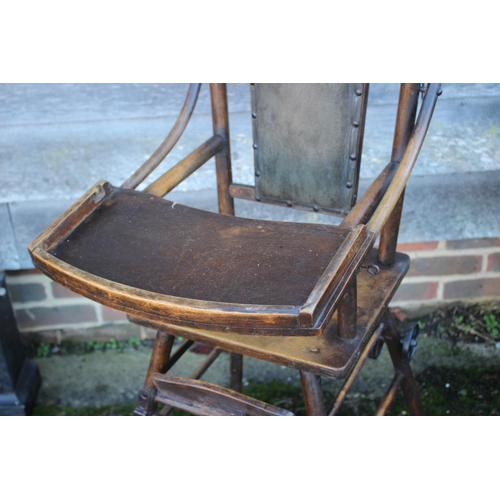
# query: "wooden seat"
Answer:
x=312 y=297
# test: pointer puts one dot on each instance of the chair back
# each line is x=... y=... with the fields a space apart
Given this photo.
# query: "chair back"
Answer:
x=307 y=143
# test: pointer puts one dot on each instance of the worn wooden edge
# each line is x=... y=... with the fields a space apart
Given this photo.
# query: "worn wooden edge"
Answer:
x=218 y=316
x=210 y=399
x=332 y=276
x=242 y=191
x=73 y=216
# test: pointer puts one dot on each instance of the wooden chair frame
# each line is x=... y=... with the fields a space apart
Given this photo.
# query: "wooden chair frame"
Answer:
x=376 y=214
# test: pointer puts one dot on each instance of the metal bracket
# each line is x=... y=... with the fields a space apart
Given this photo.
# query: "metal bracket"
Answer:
x=409 y=342
x=145 y=402
x=372 y=269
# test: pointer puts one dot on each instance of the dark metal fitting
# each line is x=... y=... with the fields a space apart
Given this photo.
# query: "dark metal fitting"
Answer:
x=254 y=115
x=145 y=402
x=352 y=156
x=423 y=89
x=289 y=203
x=376 y=349
x=348 y=185
x=355 y=124
x=372 y=269
x=255 y=145
x=409 y=342
x=359 y=91
x=316 y=208
x=257 y=173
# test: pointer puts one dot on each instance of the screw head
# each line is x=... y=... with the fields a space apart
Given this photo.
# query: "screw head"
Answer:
x=257 y=173
x=257 y=198
x=359 y=91
x=255 y=145
x=348 y=185
x=355 y=124
x=289 y=203
x=316 y=208
x=352 y=156
x=254 y=115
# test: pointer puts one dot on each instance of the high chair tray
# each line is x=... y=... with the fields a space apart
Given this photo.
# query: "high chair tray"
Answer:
x=160 y=260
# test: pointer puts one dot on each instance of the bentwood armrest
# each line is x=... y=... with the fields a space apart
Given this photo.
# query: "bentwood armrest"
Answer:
x=170 y=141
x=398 y=183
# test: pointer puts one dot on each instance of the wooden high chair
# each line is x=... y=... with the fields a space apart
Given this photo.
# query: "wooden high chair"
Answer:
x=313 y=297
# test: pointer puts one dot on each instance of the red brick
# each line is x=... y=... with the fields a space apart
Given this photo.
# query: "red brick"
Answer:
x=470 y=289
x=47 y=316
x=444 y=266
x=416 y=292
x=417 y=246
x=61 y=292
x=111 y=315
x=493 y=262
x=474 y=243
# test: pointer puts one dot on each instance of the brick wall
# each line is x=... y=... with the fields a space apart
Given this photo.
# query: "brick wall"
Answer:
x=450 y=271
x=440 y=272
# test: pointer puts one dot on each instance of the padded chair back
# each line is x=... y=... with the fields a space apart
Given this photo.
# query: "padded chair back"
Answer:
x=307 y=143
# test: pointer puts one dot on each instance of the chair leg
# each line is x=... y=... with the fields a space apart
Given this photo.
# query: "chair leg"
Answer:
x=313 y=394
x=236 y=369
x=158 y=364
x=402 y=366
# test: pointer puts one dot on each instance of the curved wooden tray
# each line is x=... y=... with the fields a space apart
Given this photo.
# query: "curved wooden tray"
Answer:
x=147 y=256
